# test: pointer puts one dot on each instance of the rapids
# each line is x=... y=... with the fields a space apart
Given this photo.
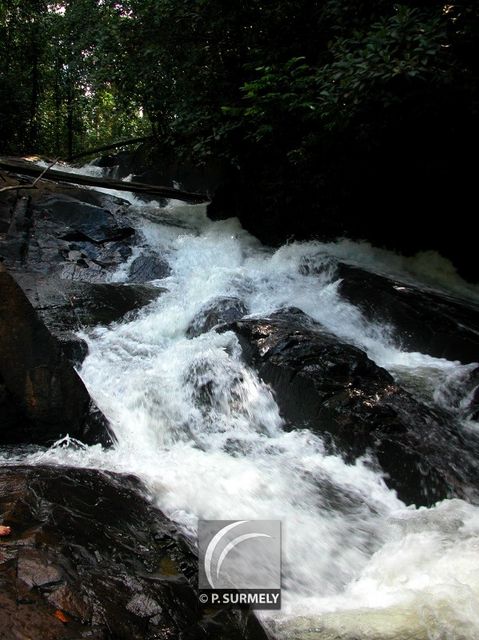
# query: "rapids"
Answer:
x=358 y=563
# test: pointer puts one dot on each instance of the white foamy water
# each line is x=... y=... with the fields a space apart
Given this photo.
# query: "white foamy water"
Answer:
x=205 y=435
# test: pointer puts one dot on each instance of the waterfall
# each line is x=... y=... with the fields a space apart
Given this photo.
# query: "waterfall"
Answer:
x=204 y=433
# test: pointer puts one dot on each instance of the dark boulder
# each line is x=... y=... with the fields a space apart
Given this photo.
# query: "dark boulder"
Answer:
x=425 y=321
x=148 y=268
x=100 y=256
x=160 y=166
x=113 y=165
x=214 y=313
x=77 y=240
x=66 y=306
x=118 y=165
x=57 y=233
x=62 y=243
x=89 y=557
x=49 y=398
x=68 y=217
x=11 y=414
x=334 y=389
x=74 y=348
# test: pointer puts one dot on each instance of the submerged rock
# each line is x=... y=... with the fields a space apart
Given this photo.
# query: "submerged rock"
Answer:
x=334 y=389
x=89 y=557
x=214 y=313
x=44 y=398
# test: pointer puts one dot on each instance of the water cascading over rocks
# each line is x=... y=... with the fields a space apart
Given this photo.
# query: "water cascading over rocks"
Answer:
x=256 y=385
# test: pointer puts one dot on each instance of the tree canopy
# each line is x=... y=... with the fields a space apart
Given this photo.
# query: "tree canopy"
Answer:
x=215 y=78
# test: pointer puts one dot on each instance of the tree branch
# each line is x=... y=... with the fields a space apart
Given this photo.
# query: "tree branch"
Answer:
x=34 y=183
x=108 y=147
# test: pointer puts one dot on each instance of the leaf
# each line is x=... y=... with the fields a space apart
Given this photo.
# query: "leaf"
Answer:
x=59 y=615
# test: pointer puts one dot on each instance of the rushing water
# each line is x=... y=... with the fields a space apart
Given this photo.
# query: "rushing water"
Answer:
x=358 y=563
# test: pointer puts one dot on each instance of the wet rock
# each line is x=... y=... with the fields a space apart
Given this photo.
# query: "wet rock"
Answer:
x=74 y=347
x=105 y=255
x=144 y=606
x=472 y=410
x=151 y=165
x=71 y=219
x=62 y=243
x=11 y=414
x=86 y=559
x=7 y=201
x=65 y=599
x=118 y=165
x=58 y=233
x=334 y=389
x=69 y=306
x=45 y=398
x=36 y=569
x=148 y=268
x=425 y=321
x=214 y=313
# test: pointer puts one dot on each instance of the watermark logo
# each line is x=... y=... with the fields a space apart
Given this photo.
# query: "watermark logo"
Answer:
x=240 y=563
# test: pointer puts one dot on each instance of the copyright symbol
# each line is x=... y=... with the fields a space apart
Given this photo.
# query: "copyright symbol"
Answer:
x=203 y=598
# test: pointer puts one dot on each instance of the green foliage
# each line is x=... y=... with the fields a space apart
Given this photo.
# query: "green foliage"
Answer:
x=377 y=63
x=56 y=95
x=219 y=79
x=21 y=53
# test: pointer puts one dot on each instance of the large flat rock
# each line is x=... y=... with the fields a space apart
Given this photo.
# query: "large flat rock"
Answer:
x=90 y=558
x=74 y=234
x=63 y=244
x=66 y=305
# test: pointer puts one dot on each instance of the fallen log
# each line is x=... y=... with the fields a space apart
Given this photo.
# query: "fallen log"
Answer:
x=25 y=167
x=15 y=187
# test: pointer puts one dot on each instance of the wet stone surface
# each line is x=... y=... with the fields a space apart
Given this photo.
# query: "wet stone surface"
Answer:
x=334 y=389
x=86 y=558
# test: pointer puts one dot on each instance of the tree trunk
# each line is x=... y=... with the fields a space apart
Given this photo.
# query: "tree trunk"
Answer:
x=34 y=88
x=70 y=105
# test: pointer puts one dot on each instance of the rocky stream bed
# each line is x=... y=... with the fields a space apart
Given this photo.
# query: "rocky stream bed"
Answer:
x=93 y=552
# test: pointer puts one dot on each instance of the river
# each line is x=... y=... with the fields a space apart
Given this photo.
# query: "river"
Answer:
x=358 y=562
